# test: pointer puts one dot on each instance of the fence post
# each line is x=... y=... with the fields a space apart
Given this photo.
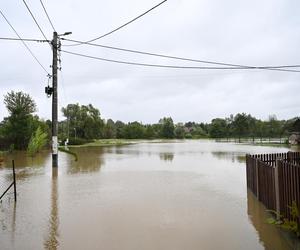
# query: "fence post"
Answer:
x=14 y=176
x=289 y=156
x=277 y=196
x=257 y=184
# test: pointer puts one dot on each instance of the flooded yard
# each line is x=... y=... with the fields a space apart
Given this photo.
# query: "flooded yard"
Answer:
x=176 y=195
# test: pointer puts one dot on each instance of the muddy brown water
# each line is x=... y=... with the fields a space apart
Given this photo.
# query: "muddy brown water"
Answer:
x=181 y=195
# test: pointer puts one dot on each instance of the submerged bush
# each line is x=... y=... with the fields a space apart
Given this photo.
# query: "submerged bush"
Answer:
x=292 y=224
x=37 y=141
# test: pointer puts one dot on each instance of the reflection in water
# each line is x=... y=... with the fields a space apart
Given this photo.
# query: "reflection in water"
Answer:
x=233 y=156
x=22 y=159
x=120 y=150
x=142 y=197
x=13 y=224
x=166 y=156
x=26 y=166
x=90 y=159
x=52 y=240
x=269 y=235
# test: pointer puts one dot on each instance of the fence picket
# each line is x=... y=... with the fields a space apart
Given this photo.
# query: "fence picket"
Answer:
x=275 y=179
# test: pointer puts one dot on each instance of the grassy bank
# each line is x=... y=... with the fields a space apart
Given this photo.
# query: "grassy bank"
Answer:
x=120 y=142
x=107 y=142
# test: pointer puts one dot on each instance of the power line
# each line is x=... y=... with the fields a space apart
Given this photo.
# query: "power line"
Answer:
x=24 y=39
x=169 y=66
x=35 y=20
x=182 y=58
x=120 y=27
x=47 y=15
x=24 y=43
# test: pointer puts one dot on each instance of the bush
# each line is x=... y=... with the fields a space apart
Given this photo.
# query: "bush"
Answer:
x=188 y=136
x=37 y=141
x=78 y=141
x=292 y=224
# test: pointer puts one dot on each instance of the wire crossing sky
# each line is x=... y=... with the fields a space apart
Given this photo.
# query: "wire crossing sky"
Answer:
x=120 y=27
x=23 y=41
x=221 y=33
x=234 y=66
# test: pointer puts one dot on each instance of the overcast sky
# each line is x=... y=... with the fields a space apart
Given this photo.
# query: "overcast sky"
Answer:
x=257 y=32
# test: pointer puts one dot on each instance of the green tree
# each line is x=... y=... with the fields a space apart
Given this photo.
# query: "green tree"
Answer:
x=119 y=129
x=109 y=130
x=273 y=127
x=218 y=128
x=241 y=125
x=198 y=132
x=167 y=127
x=84 y=121
x=179 y=131
x=134 y=130
x=149 y=132
x=18 y=127
x=252 y=127
x=229 y=126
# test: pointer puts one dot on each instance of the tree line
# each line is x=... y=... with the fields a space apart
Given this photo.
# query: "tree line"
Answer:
x=22 y=129
x=84 y=123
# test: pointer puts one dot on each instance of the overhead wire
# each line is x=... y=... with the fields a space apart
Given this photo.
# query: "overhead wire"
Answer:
x=47 y=15
x=170 y=66
x=181 y=58
x=24 y=39
x=27 y=7
x=26 y=46
x=120 y=27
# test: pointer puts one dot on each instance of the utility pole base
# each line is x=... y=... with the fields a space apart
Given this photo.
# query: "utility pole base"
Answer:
x=54 y=161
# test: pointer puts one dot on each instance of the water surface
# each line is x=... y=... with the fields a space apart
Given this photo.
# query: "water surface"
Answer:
x=177 y=195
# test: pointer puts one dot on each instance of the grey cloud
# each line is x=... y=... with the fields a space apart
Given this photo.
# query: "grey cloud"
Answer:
x=244 y=32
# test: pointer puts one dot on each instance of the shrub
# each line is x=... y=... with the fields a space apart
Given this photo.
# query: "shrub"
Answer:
x=78 y=141
x=292 y=224
x=37 y=141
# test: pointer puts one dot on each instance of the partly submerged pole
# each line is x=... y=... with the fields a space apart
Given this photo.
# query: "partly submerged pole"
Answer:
x=54 y=102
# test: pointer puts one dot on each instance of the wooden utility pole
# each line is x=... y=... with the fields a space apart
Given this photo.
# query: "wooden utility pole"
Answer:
x=54 y=102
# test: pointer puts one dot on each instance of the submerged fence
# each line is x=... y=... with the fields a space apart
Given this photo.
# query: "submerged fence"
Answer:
x=275 y=180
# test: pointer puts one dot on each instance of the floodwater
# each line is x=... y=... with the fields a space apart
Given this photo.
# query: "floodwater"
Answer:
x=163 y=196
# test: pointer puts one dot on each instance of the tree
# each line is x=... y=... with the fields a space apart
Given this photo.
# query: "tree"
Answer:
x=167 y=127
x=241 y=125
x=20 y=124
x=198 y=132
x=149 y=132
x=84 y=121
x=218 y=128
x=229 y=126
x=179 y=131
x=119 y=129
x=19 y=103
x=274 y=127
x=134 y=130
x=109 y=130
x=252 y=127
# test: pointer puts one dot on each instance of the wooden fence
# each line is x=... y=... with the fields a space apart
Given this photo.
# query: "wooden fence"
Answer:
x=275 y=180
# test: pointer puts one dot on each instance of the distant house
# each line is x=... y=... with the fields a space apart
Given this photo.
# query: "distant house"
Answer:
x=294 y=138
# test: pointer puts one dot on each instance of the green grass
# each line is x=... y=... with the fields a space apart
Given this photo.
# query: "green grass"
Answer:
x=119 y=142
x=67 y=151
x=107 y=142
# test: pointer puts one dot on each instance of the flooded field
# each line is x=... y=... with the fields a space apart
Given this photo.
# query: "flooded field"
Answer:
x=178 y=195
